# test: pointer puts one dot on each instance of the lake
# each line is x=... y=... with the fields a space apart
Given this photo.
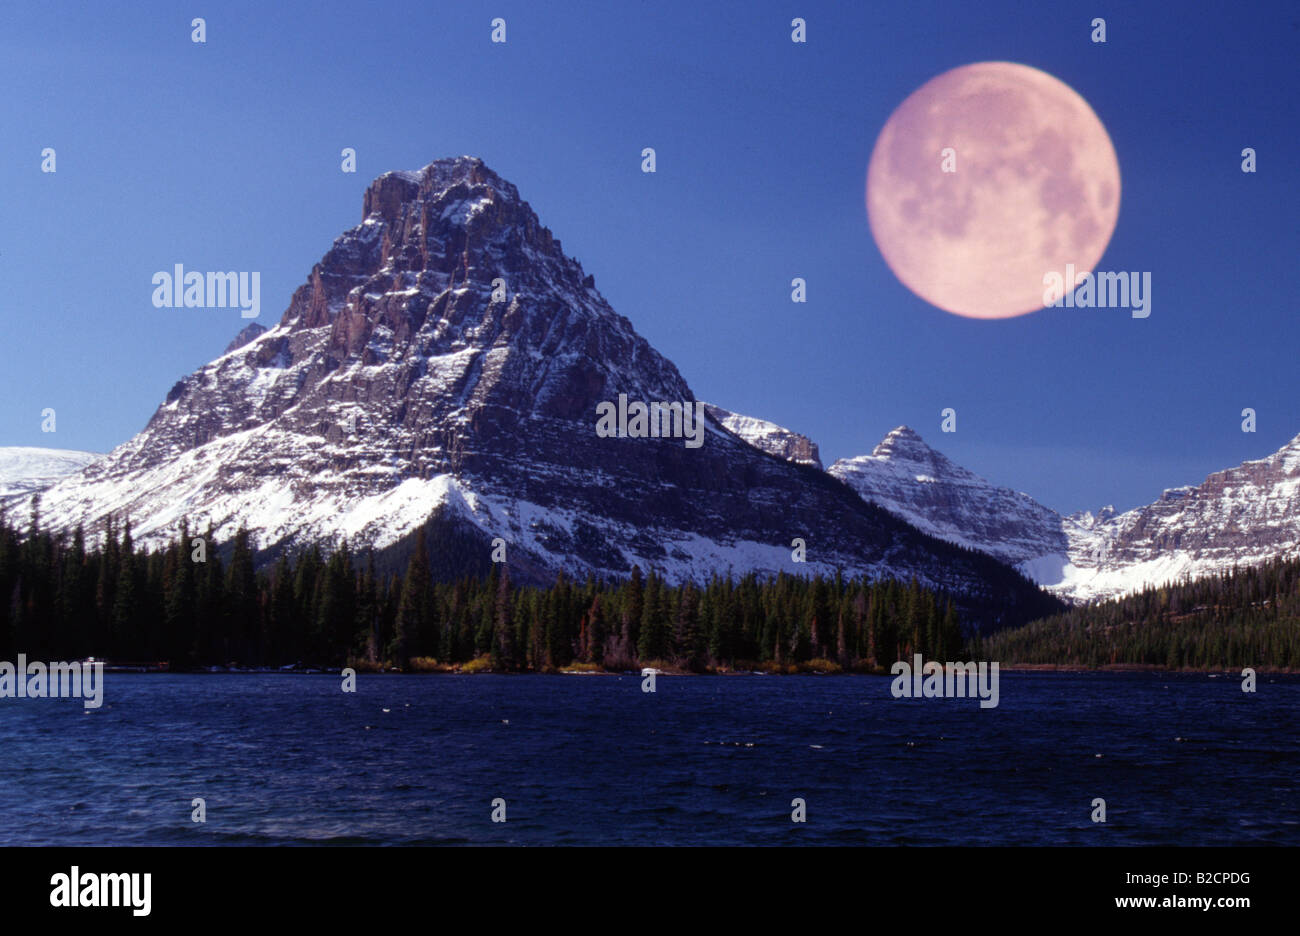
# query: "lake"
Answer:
x=1180 y=759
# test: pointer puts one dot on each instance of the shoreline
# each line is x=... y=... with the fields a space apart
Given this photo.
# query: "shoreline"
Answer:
x=460 y=670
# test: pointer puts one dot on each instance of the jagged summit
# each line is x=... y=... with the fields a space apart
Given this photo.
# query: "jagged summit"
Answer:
x=455 y=224
x=464 y=178
x=448 y=313
x=448 y=171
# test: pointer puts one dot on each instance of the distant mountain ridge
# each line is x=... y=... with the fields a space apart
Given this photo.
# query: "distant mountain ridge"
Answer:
x=28 y=470
x=1240 y=516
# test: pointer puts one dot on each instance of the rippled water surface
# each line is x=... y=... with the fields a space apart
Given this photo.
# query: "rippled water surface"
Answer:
x=1179 y=759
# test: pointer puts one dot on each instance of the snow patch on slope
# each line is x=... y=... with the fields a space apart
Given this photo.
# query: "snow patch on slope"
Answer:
x=25 y=470
x=768 y=436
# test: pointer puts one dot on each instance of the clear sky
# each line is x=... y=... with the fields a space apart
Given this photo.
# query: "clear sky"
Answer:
x=226 y=156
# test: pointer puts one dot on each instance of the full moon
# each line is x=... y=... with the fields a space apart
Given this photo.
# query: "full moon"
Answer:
x=987 y=178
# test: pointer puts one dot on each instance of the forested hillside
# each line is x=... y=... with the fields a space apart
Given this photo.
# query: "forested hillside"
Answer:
x=1247 y=617
x=188 y=606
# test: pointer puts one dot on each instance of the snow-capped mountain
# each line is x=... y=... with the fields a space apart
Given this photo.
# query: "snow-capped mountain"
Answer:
x=26 y=470
x=446 y=353
x=768 y=436
x=1241 y=516
x=913 y=481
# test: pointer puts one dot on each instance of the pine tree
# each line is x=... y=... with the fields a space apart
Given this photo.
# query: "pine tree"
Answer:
x=596 y=631
x=366 y=623
x=124 y=600
x=686 y=632
x=180 y=628
x=654 y=625
x=242 y=621
x=411 y=620
x=950 y=633
x=281 y=642
x=105 y=591
x=501 y=630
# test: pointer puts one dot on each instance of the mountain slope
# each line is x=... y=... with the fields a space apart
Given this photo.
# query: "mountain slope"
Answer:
x=1242 y=516
x=446 y=353
x=913 y=481
x=768 y=436
x=26 y=470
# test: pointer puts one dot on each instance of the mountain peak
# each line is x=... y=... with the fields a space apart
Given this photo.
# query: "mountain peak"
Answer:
x=444 y=173
x=426 y=236
x=902 y=442
x=913 y=481
x=443 y=341
x=446 y=357
x=386 y=194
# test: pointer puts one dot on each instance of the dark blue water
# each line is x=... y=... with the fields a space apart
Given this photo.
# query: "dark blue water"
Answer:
x=704 y=760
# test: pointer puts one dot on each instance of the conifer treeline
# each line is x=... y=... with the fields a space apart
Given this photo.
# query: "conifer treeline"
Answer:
x=1246 y=617
x=60 y=600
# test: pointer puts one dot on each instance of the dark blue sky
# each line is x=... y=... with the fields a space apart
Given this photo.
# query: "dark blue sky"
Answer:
x=226 y=156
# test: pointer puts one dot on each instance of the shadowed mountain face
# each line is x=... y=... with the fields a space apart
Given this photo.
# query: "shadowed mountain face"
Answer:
x=445 y=353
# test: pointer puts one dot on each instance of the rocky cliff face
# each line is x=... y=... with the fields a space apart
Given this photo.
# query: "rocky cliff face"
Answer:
x=446 y=353
x=1242 y=516
x=768 y=437
x=249 y=333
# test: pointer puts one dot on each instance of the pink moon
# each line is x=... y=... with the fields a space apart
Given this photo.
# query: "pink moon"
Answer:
x=1032 y=185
